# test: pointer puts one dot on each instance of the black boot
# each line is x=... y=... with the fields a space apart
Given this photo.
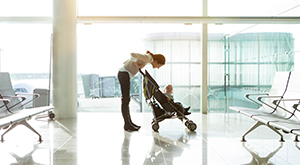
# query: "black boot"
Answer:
x=128 y=126
x=136 y=126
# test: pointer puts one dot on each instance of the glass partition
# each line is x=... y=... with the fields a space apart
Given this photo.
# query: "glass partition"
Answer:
x=245 y=62
x=25 y=54
x=188 y=8
x=102 y=49
x=26 y=8
x=253 y=8
x=242 y=58
x=139 y=8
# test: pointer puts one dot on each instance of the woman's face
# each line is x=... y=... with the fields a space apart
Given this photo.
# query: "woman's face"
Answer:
x=157 y=65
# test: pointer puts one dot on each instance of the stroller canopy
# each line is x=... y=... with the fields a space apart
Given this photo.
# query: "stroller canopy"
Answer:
x=149 y=85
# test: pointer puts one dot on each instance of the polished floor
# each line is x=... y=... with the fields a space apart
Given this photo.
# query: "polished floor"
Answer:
x=97 y=138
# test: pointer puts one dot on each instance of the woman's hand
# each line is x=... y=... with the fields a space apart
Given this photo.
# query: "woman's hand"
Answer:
x=139 y=64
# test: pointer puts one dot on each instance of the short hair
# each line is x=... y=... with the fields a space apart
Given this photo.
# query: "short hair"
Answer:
x=168 y=86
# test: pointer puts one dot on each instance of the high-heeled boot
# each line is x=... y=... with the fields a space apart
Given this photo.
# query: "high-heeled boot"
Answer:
x=129 y=117
x=128 y=126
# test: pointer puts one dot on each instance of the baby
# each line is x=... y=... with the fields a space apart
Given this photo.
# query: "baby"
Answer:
x=168 y=91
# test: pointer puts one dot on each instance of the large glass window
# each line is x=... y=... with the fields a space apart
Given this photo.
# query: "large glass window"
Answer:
x=188 y=8
x=102 y=49
x=253 y=8
x=140 y=8
x=26 y=8
x=25 y=48
x=25 y=54
x=246 y=61
x=241 y=57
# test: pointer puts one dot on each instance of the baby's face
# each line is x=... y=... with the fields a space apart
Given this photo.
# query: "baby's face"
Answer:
x=169 y=90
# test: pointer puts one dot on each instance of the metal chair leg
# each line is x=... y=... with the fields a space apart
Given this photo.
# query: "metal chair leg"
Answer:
x=23 y=122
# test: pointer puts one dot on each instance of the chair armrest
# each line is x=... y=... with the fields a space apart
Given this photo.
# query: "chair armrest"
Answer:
x=27 y=94
x=261 y=97
x=260 y=100
x=5 y=101
x=11 y=106
x=22 y=97
x=275 y=101
x=249 y=94
x=294 y=106
x=35 y=96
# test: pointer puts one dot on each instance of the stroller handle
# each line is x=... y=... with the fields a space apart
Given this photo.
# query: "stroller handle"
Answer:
x=140 y=70
x=149 y=78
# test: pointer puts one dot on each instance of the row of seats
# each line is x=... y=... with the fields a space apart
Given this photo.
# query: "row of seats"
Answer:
x=278 y=108
x=12 y=111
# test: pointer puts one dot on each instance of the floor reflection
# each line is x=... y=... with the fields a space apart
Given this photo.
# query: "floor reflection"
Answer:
x=296 y=144
x=125 y=148
x=165 y=149
x=258 y=160
x=90 y=140
x=26 y=159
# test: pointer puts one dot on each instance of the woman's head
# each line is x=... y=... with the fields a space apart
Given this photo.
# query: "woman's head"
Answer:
x=158 y=60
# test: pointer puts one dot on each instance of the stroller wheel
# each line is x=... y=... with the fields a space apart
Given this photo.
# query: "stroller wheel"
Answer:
x=187 y=123
x=155 y=127
x=192 y=126
x=51 y=115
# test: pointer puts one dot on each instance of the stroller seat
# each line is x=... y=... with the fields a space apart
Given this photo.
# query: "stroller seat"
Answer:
x=162 y=108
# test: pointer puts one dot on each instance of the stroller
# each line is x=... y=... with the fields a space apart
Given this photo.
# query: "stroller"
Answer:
x=169 y=108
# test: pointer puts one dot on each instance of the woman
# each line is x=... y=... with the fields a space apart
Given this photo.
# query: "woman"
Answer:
x=126 y=73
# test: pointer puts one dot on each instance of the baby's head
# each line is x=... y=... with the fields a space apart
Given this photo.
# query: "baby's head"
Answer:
x=168 y=89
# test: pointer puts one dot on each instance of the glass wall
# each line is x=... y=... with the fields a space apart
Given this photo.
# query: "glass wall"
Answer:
x=183 y=68
x=139 y=8
x=239 y=61
x=102 y=51
x=241 y=57
x=245 y=62
x=27 y=8
x=253 y=8
x=188 y=8
x=25 y=54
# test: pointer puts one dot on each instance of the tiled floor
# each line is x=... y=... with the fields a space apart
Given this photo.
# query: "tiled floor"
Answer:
x=98 y=138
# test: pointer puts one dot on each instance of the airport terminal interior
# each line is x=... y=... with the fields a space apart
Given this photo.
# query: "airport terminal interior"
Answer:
x=99 y=138
x=216 y=53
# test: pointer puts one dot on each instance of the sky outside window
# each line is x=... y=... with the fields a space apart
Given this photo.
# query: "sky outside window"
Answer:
x=26 y=8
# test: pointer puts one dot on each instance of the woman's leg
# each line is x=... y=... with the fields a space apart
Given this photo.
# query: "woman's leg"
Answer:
x=125 y=89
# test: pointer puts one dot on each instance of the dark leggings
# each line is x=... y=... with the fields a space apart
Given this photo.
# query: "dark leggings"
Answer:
x=124 y=80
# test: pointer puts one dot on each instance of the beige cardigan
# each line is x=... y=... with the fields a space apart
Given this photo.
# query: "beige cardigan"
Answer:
x=141 y=59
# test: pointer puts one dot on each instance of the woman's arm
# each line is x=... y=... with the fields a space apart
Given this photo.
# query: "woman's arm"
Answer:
x=140 y=60
x=142 y=57
x=137 y=65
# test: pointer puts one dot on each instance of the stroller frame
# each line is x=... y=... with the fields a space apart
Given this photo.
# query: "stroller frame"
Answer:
x=169 y=110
